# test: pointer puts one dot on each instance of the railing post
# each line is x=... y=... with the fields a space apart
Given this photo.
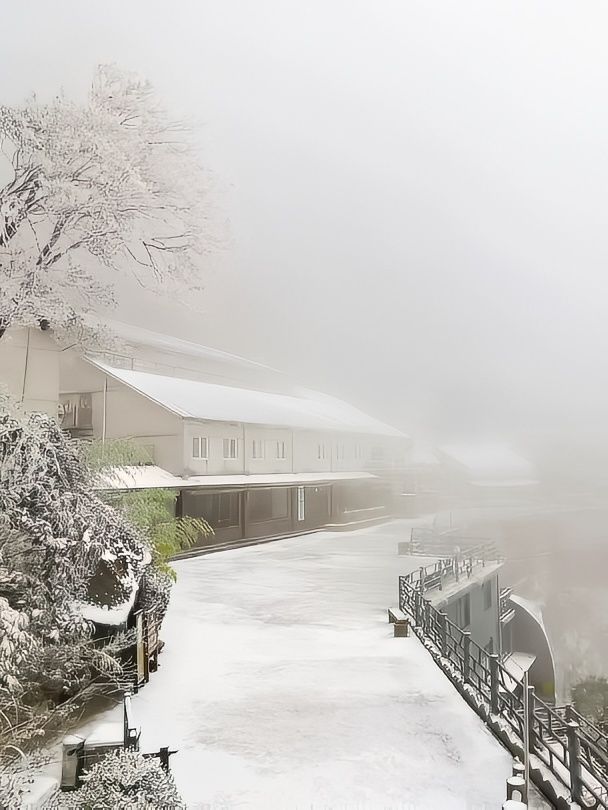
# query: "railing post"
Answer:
x=427 y=617
x=531 y=709
x=418 y=603
x=466 y=662
x=443 y=629
x=574 y=760
x=493 y=683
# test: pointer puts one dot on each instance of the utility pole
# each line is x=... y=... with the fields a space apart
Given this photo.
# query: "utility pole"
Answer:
x=526 y=739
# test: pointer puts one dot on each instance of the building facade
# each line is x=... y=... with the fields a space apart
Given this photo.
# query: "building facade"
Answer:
x=247 y=449
x=29 y=368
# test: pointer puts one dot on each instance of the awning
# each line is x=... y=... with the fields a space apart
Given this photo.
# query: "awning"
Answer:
x=138 y=477
x=152 y=477
x=517 y=664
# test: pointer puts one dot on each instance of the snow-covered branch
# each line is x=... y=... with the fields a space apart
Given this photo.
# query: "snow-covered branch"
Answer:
x=110 y=184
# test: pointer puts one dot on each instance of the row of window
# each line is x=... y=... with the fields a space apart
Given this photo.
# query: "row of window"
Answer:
x=200 y=449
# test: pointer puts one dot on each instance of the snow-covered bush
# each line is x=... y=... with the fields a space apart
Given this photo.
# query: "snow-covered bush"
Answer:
x=60 y=546
x=123 y=780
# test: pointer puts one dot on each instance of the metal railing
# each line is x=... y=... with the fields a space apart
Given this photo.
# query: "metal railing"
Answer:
x=457 y=566
x=574 y=750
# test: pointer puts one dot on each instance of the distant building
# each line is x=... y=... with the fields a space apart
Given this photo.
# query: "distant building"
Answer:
x=486 y=469
x=463 y=581
x=441 y=478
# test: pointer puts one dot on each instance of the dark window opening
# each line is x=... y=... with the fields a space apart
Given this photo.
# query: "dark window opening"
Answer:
x=220 y=509
x=268 y=504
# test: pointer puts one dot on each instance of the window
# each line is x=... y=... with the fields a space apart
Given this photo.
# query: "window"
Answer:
x=268 y=504
x=280 y=450
x=320 y=451
x=465 y=611
x=199 y=447
x=301 y=503
x=257 y=449
x=220 y=509
x=230 y=448
x=340 y=452
x=377 y=453
x=358 y=451
x=487 y=594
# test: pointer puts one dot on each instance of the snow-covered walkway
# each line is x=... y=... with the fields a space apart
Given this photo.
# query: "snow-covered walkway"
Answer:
x=282 y=687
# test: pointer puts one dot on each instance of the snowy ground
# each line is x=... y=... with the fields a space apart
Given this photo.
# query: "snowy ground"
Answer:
x=282 y=687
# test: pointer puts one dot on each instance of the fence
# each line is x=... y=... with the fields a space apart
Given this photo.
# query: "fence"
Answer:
x=574 y=750
x=455 y=566
x=426 y=541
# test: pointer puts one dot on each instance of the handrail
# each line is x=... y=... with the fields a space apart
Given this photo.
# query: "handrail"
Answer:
x=573 y=749
x=458 y=565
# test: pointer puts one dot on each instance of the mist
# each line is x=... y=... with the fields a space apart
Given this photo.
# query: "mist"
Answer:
x=414 y=194
x=400 y=380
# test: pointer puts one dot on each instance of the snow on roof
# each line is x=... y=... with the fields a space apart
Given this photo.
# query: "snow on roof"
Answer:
x=533 y=608
x=493 y=462
x=152 y=477
x=194 y=399
x=105 y=734
x=138 y=477
x=137 y=335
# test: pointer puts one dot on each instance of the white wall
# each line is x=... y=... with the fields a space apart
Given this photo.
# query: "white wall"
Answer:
x=130 y=414
x=484 y=621
x=267 y=437
x=215 y=433
x=29 y=369
x=306 y=451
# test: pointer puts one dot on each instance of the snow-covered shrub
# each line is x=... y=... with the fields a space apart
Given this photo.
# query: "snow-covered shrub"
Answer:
x=123 y=780
x=60 y=546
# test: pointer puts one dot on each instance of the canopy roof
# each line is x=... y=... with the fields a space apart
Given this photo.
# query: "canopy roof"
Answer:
x=152 y=477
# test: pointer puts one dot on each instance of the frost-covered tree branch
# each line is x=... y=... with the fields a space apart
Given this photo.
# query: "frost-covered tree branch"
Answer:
x=110 y=185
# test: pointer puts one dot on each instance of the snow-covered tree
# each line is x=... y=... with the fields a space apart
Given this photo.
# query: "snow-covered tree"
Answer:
x=590 y=698
x=109 y=185
x=60 y=546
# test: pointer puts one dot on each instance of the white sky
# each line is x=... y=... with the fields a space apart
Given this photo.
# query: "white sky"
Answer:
x=416 y=190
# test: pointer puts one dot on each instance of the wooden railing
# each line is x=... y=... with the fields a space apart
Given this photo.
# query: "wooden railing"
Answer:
x=574 y=750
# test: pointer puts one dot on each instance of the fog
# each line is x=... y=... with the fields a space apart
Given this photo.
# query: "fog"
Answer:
x=415 y=193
